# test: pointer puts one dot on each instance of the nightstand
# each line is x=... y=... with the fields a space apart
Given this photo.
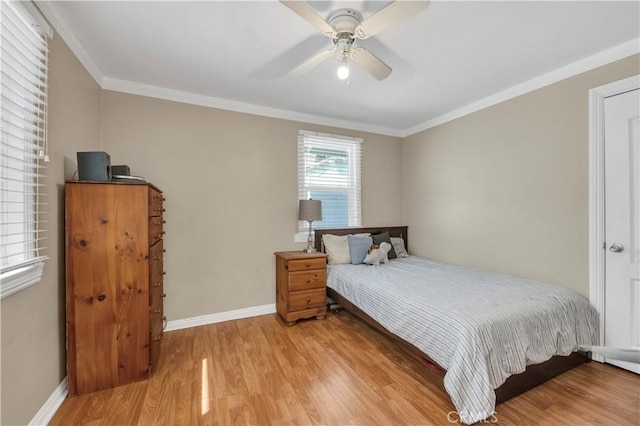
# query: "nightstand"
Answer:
x=301 y=290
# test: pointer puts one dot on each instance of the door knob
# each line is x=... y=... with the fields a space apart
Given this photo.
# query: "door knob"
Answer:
x=616 y=247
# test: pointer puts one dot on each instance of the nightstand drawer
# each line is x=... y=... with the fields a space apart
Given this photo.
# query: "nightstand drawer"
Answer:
x=307 y=299
x=306 y=264
x=305 y=280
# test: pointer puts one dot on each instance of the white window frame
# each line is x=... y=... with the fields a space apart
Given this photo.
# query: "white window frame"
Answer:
x=24 y=144
x=353 y=147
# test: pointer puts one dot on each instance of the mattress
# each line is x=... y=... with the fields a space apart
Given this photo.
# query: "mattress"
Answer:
x=482 y=327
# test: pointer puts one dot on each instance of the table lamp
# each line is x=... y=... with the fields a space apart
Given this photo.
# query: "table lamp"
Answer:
x=310 y=210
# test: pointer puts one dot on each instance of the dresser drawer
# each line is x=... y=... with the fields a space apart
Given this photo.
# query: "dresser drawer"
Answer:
x=156 y=201
x=305 y=280
x=156 y=308
x=307 y=299
x=306 y=264
x=156 y=323
x=156 y=253
x=156 y=292
x=155 y=229
x=156 y=280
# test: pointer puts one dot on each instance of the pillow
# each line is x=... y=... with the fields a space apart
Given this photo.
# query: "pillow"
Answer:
x=384 y=237
x=398 y=246
x=337 y=249
x=358 y=247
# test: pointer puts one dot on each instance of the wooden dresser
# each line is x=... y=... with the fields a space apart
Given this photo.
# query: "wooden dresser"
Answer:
x=114 y=283
x=301 y=290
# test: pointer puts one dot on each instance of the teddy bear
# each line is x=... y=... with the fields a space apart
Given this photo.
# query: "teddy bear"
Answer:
x=378 y=254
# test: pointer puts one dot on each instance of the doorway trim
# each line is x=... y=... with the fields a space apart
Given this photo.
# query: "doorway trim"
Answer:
x=596 y=192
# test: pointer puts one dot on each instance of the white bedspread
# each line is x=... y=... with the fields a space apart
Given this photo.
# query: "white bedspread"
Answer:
x=480 y=326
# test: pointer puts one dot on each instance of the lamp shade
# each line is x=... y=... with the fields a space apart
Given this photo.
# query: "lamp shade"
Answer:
x=310 y=210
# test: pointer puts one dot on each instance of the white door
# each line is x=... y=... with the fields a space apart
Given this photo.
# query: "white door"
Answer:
x=622 y=223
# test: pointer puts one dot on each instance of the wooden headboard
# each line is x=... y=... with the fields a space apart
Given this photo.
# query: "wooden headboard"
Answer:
x=394 y=231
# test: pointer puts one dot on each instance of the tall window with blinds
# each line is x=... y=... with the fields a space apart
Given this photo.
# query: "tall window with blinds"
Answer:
x=329 y=171
x=23 y=144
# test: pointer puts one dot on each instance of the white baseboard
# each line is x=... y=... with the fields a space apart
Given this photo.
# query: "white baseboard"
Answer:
x=46 y=412
x=254 y=311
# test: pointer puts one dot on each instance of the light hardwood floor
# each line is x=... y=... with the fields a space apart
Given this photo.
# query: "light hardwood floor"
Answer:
x=338 y=371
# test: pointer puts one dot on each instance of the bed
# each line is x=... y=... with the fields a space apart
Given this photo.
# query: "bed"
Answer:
x=450 y=319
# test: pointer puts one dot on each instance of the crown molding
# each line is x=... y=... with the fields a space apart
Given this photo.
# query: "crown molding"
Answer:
x=52 y=14
x=50 y=11
x=142 y=89
x=621 y=51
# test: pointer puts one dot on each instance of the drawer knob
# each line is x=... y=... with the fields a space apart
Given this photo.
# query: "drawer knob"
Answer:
x=308 y=299
x=308 y=280
x=307 y=265
x=164 y=294
x=164 y=272
x=164 y=199
x=164 y=221
x=164 y=250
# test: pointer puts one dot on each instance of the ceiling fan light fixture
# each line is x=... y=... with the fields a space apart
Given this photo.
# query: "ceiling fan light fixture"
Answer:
x=343 y=26
x=343 y=71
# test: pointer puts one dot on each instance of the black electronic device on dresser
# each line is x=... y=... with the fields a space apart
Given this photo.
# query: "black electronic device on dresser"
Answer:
x=120 y=170
x=94 y=166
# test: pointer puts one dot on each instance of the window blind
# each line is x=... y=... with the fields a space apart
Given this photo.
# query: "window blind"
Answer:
x=329 y=170
x=23 y=144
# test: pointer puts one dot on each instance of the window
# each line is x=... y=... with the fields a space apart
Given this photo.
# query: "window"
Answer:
x=23 y=108
x=329 y=171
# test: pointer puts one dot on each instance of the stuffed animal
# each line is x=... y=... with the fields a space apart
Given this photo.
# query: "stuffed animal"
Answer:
x=378 y=255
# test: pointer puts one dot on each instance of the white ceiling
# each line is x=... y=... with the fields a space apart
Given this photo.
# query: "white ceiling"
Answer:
x=238 y=54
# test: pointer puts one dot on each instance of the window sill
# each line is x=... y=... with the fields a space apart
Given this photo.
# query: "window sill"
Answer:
x=14 y=281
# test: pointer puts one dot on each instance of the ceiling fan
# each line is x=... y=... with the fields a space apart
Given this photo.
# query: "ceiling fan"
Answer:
x=344 y=26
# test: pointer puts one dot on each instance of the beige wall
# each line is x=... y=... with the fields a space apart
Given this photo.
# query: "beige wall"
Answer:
x=506 y=188
x=33 y=330
x=230 y=180
x=231 y=188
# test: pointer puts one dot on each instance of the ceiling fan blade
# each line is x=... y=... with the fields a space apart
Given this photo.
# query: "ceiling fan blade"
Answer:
x=304 y=11
x=391 y=14
x=371 y=63
x=311 y=63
